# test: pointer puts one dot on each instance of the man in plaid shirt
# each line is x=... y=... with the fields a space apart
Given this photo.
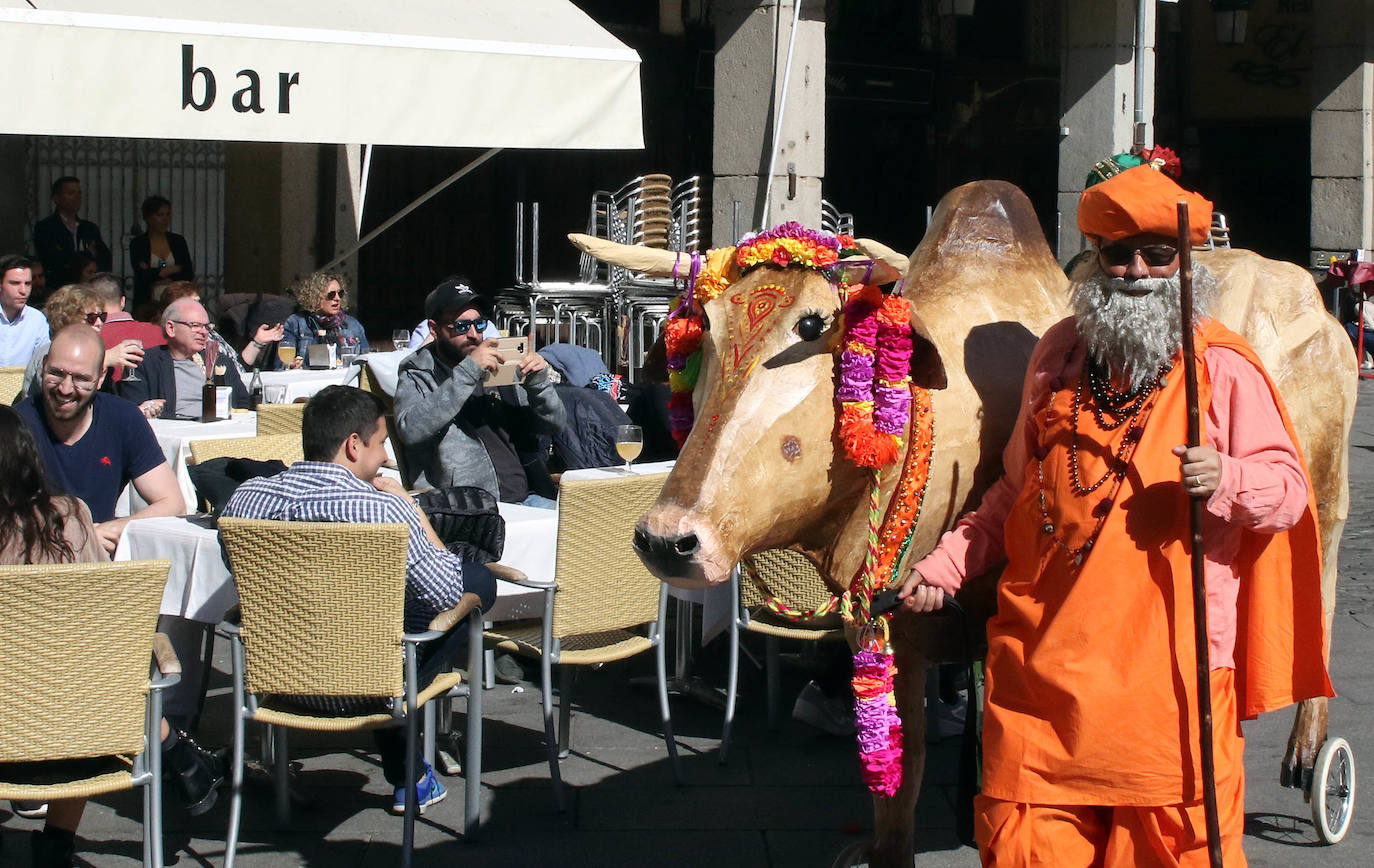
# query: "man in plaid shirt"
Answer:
x=344 y=436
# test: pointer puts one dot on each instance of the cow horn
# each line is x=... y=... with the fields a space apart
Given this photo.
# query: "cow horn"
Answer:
x=649 y=261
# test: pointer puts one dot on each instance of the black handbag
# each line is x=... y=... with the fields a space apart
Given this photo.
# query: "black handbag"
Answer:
x=467 y=520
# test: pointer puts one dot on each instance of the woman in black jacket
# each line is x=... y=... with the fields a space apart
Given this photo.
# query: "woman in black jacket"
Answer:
x=158 y=253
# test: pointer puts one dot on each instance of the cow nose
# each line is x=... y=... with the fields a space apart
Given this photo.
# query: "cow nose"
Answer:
x=666 y=550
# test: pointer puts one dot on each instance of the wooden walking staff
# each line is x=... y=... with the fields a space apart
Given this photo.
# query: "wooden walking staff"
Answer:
x=1204 y=674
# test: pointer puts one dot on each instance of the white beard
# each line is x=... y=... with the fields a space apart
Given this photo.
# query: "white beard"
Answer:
x=1132 y=337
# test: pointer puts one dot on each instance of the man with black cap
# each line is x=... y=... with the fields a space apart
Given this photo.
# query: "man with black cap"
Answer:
x=457 y=431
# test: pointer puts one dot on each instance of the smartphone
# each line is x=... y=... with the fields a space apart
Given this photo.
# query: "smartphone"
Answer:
x=512 y=349
x=507 y=375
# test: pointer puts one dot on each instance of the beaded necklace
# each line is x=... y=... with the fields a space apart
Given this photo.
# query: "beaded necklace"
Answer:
x=1131 y=408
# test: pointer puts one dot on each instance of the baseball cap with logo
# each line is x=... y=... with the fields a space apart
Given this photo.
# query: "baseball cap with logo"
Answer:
x=452 y=294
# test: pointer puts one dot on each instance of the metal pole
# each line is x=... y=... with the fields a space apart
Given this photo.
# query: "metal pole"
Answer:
x=400 y=215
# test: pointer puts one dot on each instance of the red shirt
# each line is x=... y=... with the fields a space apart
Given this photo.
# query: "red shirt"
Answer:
x=120 y=327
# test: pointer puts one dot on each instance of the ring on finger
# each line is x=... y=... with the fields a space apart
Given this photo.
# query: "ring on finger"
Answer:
x=1197 y=481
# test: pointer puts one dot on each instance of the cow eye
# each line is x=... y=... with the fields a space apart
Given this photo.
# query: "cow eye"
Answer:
x=809 y=327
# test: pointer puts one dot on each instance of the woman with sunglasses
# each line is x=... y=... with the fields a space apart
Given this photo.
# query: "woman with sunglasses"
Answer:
x=322 y=298
x=72 y=304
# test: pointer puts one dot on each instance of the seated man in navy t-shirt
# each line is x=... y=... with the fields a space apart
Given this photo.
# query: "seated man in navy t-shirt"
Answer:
x=94 y=444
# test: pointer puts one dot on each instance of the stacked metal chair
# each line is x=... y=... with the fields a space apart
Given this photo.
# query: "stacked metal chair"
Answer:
x=605 y=308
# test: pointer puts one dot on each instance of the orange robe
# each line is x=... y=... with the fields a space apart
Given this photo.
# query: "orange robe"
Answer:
x=1091 y=669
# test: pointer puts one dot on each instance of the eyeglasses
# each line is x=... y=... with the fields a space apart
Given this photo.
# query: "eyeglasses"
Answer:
x=1124 y=254
x=332 y=294
x=80 y=382
x=193 y=326
x=461 y=326
x=93 y=318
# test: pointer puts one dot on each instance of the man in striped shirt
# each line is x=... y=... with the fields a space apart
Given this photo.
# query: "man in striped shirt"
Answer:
x=344 y=436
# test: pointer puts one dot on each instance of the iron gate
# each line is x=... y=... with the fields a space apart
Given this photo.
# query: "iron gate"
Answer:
x=118 y=174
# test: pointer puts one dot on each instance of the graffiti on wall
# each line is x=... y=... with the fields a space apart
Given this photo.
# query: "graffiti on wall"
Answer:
x=1268 y=75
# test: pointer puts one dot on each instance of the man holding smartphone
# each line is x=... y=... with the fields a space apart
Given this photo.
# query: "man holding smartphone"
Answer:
x=470 y=411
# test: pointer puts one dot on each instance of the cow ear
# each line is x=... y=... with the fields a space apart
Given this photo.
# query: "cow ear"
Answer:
x=880 y=252
x=875 y=272
x=927 y=368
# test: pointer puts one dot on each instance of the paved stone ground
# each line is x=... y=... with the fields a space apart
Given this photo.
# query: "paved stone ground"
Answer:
x=791 y=798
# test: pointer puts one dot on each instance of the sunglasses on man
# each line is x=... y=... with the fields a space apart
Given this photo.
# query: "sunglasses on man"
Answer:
x=1124 y=254
x=93 y=318
x=461 y=326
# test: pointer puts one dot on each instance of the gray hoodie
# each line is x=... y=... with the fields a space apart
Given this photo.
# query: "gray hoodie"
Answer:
x=429 y=396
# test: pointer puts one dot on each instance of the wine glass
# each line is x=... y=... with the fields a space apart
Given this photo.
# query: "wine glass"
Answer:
x=629 y=442
x=130 y=372
x=400 y=339
x=348 y=350
x=286 y=353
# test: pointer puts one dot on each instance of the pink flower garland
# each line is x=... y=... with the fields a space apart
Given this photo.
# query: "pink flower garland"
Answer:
x=879 y=728
x=874 y=393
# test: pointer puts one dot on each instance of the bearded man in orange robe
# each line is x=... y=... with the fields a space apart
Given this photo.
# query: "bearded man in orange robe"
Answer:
x=1091 y=753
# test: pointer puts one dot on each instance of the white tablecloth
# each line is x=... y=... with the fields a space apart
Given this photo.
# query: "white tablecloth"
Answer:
x=303 y=383
x=383 y=367
x=175 y=436
x=199 y=586
x=532 y=548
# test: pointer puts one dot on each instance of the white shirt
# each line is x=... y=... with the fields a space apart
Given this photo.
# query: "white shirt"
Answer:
x=22 y=335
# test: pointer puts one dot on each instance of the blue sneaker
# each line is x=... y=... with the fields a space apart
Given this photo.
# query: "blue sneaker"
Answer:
x=428 y=792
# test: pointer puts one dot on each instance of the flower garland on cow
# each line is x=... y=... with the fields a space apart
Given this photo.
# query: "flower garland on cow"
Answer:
x=883 y=418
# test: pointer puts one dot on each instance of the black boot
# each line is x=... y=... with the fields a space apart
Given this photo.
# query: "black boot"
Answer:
x=52 y=848
x=198 y=772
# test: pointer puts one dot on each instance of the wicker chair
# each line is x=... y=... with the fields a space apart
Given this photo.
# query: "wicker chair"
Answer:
x=285 y=448
x=280 y=419
x=335 y=632
x=11 y=382
x=77 y=638
x=794 y=581
x=600 y=594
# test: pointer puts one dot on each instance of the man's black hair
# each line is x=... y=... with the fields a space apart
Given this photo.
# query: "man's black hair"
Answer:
x=14 y=260
x=333 y=414
x=65 y=179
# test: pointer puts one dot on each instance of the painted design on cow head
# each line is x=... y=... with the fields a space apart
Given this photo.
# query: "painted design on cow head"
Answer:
x=789 y=245
x=748 y=319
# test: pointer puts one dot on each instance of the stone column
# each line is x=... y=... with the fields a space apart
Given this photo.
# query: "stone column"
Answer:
x=1097 y=87
x=349 y=203
x=751 y=54
x=300 y=178
x=1342 y=139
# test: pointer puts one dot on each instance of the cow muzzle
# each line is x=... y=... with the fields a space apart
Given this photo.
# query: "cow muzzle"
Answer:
x=682 y=553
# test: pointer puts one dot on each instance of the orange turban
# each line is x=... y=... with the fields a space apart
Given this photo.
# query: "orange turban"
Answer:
x=1141 y=200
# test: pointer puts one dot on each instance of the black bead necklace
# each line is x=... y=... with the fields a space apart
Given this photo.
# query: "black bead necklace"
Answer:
x=1129 y=407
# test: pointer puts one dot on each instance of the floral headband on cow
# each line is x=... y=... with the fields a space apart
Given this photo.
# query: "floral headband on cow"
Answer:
x=874 y=390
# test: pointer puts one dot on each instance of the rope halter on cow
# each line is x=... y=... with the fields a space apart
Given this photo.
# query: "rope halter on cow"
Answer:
x=882 y=418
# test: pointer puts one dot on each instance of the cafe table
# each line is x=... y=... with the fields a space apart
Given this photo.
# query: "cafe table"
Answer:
x=285 y=387
x=174 y=436
x=384 y=366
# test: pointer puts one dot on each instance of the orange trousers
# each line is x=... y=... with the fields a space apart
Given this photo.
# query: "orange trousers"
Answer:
x=1020 y=835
